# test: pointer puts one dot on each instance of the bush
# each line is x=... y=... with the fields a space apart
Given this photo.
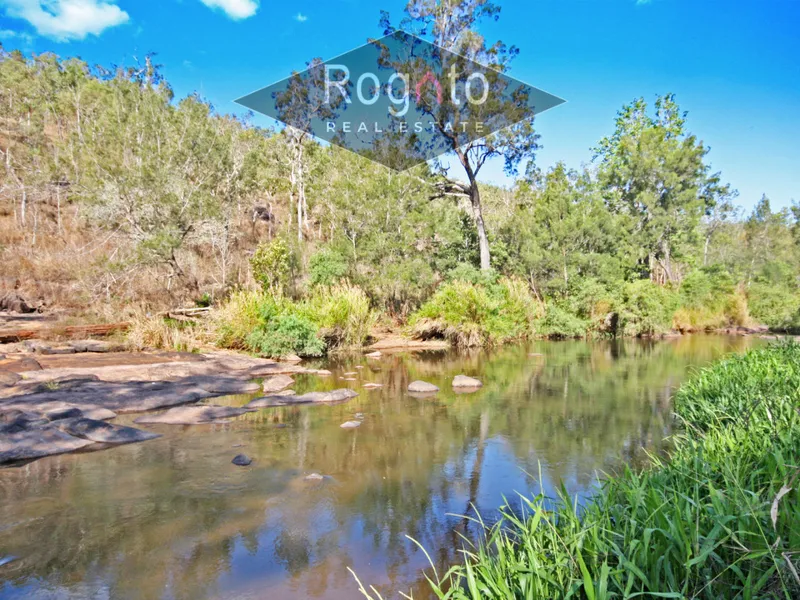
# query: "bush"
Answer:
x=469 y=314
x=709 y=300
x=284 y=334
x=647 y=309
x=559 y=323
x=271 y=264
x=237 y=317
x=343 y=314
x=775 y=306
x=326 y=267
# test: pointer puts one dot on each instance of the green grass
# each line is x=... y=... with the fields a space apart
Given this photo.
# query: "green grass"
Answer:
x=719 y=519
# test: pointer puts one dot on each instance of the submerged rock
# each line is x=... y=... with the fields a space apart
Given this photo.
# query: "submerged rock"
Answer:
x=276 y=400
x=37 y=442
x=462 y=381
x=422 y=387
x=219 y=384
x=102 y=432
x=276 y=383
x=192 y=415
x=333 y=396
x=242 y=460
x=285 y=400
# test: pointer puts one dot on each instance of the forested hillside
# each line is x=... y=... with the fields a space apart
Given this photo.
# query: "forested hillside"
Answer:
x=115 y=194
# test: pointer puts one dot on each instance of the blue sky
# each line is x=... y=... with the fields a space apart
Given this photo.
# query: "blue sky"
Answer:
x=734 y=65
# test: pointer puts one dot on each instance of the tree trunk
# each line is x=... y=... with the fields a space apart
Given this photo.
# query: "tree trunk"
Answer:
x=477 y=213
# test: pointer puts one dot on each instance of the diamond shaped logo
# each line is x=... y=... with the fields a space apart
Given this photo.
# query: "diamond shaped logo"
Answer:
x=400 y=101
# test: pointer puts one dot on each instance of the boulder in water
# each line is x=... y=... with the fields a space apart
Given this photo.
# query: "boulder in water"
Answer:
x=276 y=383
x=102 y=432
x=242 y=460
x=422 y=387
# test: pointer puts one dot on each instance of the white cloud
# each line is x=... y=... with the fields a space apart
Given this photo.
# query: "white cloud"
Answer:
x=301 y=18
x=66 y=20
x=235 y=9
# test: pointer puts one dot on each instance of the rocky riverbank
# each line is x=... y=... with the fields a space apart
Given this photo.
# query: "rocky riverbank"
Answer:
x=58 y=403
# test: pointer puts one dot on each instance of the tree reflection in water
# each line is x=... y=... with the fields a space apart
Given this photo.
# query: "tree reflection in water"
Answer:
x=172 y=518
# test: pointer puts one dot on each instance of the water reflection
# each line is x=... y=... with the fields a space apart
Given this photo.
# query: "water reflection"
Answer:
x=172 y=518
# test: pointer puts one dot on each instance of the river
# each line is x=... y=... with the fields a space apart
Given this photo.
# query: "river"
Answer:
x=173 y=518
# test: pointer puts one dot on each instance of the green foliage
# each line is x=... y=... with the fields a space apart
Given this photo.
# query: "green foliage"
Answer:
x=774 y=305
x=473 y=314
x=270 y=264
x=558 y=323
x=342 y=312
x=719 y=519
x=283 y=334
x=647 y=309
x=326 y=267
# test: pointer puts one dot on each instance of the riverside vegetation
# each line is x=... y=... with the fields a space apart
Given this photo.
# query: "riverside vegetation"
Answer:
x=117 y=200
x=719 y=519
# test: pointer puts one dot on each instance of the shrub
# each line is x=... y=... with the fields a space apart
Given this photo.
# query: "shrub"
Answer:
x=775 y=306
x=284 y=334
x=237 y=317
x=342 y=312
x=558 y=323
x=326 y=267
x=271 y=263
x=469 y=314
x=647 y=309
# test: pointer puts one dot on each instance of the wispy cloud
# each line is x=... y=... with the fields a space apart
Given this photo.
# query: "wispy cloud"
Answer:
x=66 y=20
x=235 y=9
x=300 y=18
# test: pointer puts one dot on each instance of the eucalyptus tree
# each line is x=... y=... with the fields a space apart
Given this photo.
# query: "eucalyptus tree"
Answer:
x=453 y=25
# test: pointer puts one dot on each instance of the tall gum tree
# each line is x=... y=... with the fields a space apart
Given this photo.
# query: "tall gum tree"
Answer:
x=452 y=25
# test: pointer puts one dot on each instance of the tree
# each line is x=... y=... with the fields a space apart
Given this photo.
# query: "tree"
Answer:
x=452 y=25
x=654 y=174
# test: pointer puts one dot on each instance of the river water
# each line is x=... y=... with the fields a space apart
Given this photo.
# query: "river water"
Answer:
x=173 y=518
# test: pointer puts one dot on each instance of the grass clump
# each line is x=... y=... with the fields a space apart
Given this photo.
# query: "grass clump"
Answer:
x=276 y=326
x=470 y=314
x=342 y=312
x=719 y=519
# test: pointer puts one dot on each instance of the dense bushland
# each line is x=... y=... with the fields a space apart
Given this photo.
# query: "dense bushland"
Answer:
x=720 y=518
x=117 y=200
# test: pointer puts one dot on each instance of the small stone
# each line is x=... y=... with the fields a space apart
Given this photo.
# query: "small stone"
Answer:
x=358 y=367
x=291 y=358
x=314 y=477
x=348 y=379
x=350 y=374
x=350 y=425
x=422 y=387
x=373 y=386
x=242 y=460
x=276 y=383
x=462 y=381
x=376 y=354
x=322 y=372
